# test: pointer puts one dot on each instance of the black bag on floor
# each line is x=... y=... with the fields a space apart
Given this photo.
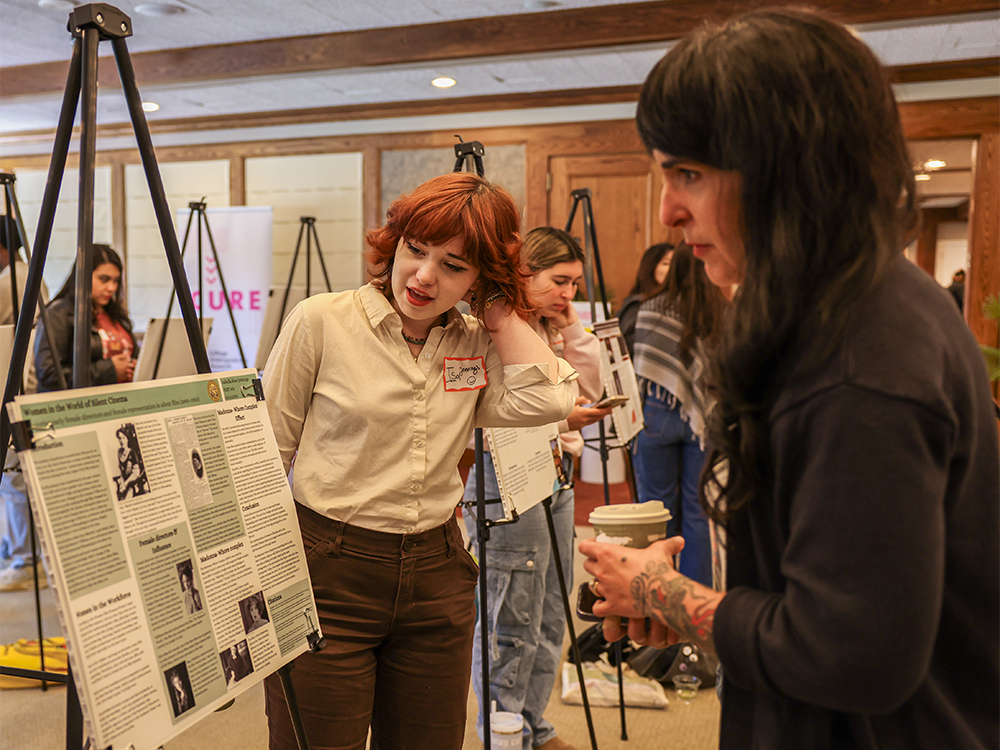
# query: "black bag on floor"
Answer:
x=661 y=664
x=592 y=644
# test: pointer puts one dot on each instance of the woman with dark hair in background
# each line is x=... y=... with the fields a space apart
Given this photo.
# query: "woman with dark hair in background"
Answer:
x=652 y=272
x=525 y=611
x=853 y=446
x=113 y=347
x=375 y=394
x=671 y=334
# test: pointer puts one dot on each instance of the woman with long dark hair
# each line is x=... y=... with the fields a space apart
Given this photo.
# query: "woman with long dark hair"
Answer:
x=853 y=448
x=375 y=393
x=113 y=346
x=673 y=330
x=652 y=272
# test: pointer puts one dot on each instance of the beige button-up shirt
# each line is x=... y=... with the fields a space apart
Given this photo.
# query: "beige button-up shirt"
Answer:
x=377 y=435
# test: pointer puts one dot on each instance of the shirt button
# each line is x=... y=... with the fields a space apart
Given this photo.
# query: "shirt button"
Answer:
x=427 y=356
x=414 y=487
x=530 y=563
x=418 y=396
x=419 y=443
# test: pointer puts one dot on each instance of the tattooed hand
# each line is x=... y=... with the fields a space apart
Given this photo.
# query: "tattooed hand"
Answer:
x=642 y=583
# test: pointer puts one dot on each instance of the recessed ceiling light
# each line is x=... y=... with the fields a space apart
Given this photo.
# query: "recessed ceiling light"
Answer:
x=57 y=4
x=443 y=82
x=934 y=164
x=921 y=177
x=150 y=106
x=159 y=10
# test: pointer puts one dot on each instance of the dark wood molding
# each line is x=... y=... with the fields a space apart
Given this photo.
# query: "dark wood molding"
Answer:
x=378 y=111
x=935 y=119
x=949 y=70
x=530 y=33
x=950 y=118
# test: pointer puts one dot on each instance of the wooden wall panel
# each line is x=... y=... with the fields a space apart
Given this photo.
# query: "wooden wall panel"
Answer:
x=983 y=278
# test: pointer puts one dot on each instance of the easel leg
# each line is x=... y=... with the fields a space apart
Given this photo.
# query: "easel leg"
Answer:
x=574 y=646
x=285 y=673
x=74 y=714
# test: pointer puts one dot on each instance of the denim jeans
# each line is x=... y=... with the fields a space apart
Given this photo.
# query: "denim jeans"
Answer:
x=15 y=548
x=668 y=460
x=527 y=621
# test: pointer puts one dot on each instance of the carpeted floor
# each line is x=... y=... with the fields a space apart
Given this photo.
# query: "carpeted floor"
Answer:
x=35 y=720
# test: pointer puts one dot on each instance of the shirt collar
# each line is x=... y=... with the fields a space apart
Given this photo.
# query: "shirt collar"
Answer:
x=377 y=307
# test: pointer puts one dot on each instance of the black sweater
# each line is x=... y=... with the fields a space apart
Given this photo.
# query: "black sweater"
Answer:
x=60 y=316
x=864 y=585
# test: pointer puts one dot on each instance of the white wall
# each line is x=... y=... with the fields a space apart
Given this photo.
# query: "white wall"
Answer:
x=952 y=250
x=327 y=187
x=29 y=188
x=147 y=272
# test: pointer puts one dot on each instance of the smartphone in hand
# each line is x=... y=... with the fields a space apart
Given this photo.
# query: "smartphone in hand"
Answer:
x=608 y=402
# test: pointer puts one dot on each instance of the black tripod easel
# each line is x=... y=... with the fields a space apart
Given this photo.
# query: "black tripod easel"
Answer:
x=592 y=265
x=14 y=228
x=468 y=155
x=307 y=229
x=197 y=208
x=89 y=25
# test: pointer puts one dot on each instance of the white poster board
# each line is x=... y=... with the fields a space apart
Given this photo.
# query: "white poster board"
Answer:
x=528 y=463
x=274 y=317
x=242 y=236
x=176 y=361
x=171 y=542
x=619 y=378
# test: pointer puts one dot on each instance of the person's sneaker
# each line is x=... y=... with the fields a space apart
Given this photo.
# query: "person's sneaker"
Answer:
x=22 y=578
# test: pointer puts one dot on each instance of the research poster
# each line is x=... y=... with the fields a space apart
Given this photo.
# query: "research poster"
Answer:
x=171 y=541
x=619 y=379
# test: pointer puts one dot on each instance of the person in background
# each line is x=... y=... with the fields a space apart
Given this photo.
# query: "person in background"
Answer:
x=652 y=271
x=957 y=288
x=526 y=615
x=17 y=565
x=853 y=445
x=673 y=332
x=113 y=346
x=375 y=394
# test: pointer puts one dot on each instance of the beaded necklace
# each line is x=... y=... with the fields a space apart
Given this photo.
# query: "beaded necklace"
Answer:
x=421 y=342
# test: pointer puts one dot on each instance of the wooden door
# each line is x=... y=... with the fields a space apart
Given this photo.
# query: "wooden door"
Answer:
x=625 y=196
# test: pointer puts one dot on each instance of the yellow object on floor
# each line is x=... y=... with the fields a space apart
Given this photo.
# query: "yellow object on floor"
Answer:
x=25 y=654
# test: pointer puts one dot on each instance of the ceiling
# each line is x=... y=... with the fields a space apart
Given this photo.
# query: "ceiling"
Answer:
x=233 y=63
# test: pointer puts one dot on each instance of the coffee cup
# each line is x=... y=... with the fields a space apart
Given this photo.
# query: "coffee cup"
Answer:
x=506 y=730
x=630 y=524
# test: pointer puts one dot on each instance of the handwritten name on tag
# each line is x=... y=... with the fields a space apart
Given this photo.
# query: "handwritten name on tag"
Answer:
x=464 y=374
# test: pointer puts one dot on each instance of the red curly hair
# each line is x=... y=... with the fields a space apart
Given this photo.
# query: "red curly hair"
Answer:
x=458 y=203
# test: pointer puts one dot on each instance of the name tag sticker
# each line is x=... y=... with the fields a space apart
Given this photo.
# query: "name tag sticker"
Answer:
x=464 y=374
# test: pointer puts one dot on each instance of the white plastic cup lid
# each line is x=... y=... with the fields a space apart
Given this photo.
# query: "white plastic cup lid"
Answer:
x=651 y=511
x=504 y=722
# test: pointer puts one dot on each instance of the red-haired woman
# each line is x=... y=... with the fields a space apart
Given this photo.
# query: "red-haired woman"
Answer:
x=375 y=394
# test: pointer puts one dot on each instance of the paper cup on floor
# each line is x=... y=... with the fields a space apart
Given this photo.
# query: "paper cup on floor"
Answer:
x=631 y=524
x=506 y=730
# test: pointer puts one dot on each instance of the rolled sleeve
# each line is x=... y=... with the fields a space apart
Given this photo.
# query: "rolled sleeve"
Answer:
x=527 y=397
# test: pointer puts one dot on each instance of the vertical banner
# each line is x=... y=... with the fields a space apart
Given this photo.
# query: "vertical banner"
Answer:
x=242 y=236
